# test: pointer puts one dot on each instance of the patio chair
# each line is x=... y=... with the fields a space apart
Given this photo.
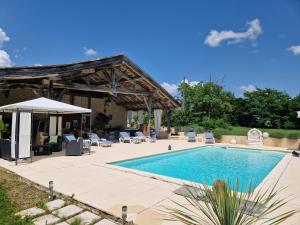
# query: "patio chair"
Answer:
x=209 y=137
x=255 y=137
x=141 y=136
x=72 y=145
x=99 y=141
x=56 y=142
x=5 y=149
x=124 y=137
x=191 y=136
x=152 y=138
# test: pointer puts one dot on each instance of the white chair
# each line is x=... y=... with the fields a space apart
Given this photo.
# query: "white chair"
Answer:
x=124 y=137
x=141 y=136
x=99 y=141
x=255 y=137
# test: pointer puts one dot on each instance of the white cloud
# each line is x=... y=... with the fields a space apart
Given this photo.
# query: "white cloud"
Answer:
x=37 y=64
x=248 y=88
x=215 y=37
x=3 y=37
x=5 y=60
x=171 y=88
x=89 y=51
x=294 y=49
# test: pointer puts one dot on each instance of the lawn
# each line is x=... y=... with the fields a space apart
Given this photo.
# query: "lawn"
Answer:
x=276 y=133
x=16 y=195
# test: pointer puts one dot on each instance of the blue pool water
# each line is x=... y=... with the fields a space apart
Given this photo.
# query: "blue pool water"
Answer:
x=204 y=164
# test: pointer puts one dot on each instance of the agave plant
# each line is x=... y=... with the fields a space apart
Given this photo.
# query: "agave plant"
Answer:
x=225 y=204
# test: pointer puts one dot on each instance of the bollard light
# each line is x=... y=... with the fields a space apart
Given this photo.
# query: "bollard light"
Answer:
x=124 y=213
x=51 y=188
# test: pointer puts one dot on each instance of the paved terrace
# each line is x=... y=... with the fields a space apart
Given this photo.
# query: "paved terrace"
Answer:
x=96 y=184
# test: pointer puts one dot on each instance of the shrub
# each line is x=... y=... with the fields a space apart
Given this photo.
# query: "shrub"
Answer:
x=198 y=129
x=181 y=117
x=277 y=134
x=294 y=135
x=224 y=204
x=219 y=132
x=211 y=124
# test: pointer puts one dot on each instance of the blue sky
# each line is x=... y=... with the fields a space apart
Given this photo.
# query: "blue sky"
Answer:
x=246 y=44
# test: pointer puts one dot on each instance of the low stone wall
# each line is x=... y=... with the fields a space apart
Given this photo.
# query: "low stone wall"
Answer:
x=273 y=142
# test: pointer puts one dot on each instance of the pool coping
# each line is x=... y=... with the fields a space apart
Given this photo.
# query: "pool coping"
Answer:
x=272 y=177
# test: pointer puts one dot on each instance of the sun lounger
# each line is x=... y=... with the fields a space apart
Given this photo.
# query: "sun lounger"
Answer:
x=151 y=138
x=191 y=136
x=99 y=141
x=124 y=137
x=209 y=137
x=141 y=136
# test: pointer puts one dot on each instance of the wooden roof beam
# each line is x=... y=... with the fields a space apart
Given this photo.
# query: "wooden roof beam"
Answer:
x=98 y=88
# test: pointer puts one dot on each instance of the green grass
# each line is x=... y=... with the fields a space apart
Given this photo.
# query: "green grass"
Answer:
x=16 y=195
x=76 y=221
x=276 y=133
x=8 y=210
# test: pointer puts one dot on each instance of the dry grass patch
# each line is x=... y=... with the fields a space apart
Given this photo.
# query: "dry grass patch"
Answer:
x=22 y=194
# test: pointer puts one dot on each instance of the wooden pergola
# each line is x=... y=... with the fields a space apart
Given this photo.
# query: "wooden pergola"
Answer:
x=116 y=77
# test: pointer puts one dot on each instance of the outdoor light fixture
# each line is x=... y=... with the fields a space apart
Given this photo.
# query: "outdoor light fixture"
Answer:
x=124 y=214
x=51 y=188
x=169 y=147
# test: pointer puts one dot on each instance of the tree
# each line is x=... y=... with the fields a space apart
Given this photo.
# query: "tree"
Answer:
x=200 y=101
x=267 y=108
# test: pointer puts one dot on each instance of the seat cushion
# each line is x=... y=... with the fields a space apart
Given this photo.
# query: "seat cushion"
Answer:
x=53 y=139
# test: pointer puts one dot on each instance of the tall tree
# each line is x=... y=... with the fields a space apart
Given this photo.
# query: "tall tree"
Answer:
x=206 y=100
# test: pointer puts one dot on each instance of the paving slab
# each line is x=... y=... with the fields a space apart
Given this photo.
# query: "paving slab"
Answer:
x=68 y=211
x=46 y=219
x=86 y=217
x=32 y=212
x=55 y=204
x=62 y=223
x=105 y=222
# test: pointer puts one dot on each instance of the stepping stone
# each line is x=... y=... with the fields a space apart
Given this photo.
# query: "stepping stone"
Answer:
x=32 y=212
x=86 y=217
x=105 y=222
x=68 y=211
x=46 y=219
x=62 y=223
x=55 y=204
x=131 y=217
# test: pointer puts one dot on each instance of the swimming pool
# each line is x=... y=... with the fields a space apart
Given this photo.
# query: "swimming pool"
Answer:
x=205 y=164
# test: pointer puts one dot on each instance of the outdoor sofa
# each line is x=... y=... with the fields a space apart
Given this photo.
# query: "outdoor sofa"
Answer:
x=73 y=146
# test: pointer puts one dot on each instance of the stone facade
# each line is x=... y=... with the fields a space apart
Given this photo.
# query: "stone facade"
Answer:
x=119 y=113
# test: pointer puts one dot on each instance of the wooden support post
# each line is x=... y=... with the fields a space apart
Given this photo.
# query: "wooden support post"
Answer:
x=89 y=102
x=148 y=102
x=50 y=89
x=60 y=95
x=72 y=99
